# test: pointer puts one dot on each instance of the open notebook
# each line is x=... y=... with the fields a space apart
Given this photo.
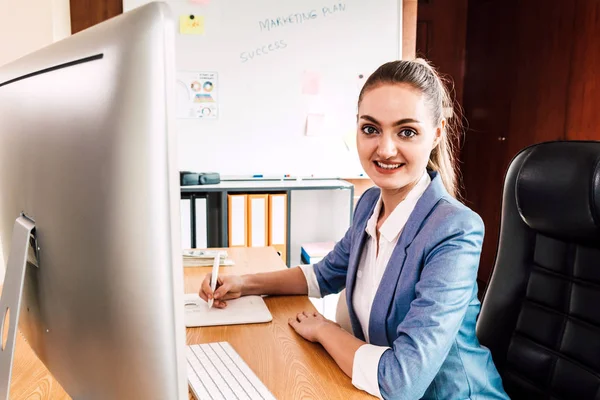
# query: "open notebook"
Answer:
x=245 y=310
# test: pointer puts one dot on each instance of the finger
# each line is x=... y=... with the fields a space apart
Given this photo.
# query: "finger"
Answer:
x=205 y=290
x=315 y=314
x=220 y=304
x=293 y=323
x=301 y=317
x=306 y=314
x=222 y=290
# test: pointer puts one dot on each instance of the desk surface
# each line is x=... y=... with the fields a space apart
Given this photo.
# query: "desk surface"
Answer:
x=291 y=367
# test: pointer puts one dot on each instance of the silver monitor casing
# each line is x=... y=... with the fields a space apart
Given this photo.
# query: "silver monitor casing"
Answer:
x=88 y=152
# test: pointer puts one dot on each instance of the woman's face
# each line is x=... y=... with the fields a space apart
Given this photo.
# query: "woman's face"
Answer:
x=396 y=134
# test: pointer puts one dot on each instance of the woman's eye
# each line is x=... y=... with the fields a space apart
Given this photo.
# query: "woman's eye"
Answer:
x=407 y=133
x=369 y=130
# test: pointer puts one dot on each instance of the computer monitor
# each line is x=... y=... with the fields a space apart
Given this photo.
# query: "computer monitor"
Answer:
x=87 y=152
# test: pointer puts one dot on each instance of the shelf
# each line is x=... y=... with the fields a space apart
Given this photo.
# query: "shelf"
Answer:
x=262 y=185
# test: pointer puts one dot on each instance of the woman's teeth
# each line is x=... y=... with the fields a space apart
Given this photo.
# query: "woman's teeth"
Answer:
x=388 y=166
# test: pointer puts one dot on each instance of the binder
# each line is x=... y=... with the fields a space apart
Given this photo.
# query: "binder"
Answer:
x=312 y=253
x=278 y=223
x=258 y=219
x=186 y=223
x=201 y=223
x=237 y=225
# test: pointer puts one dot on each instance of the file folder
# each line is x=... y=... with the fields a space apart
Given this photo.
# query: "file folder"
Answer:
x=258 y=212
x=278 y=223
x=186 y=223
x=237 y=224
x=201 y=223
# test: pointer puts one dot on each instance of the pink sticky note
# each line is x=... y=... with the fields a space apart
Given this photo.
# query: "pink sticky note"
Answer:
x=202 y=2
x=310 y=82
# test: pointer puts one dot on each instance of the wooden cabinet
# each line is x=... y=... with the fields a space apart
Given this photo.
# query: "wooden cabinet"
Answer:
x=526 y=72
x=532 y=75
x=86 y=13
x=441 y=31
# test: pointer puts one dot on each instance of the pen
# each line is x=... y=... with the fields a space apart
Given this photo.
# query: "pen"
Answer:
x=213 y=280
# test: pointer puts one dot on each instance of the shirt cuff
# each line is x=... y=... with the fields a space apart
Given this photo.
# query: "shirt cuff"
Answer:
x=366 y=367
x=311 y=281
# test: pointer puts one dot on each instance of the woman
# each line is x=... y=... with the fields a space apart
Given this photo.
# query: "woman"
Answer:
x=409 y=260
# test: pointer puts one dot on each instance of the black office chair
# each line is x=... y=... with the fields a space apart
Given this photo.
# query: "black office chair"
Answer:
x=540 y=315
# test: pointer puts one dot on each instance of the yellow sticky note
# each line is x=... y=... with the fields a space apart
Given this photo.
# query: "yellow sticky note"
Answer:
x=191 y=25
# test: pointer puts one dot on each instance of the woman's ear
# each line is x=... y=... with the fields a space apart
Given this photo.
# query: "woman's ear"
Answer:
x=439 y=131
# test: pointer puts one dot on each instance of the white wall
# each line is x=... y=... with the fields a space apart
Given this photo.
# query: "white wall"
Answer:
x=26 y=26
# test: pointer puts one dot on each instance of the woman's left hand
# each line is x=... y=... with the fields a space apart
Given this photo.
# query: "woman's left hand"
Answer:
x=309 y=325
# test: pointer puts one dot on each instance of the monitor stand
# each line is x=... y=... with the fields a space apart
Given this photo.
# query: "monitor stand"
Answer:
x=12 y=293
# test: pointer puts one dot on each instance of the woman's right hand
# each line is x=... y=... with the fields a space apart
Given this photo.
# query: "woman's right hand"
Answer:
x=228 y=287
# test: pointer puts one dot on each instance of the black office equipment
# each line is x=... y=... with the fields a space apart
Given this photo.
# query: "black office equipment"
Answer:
x=188 y=178
x=209 y=178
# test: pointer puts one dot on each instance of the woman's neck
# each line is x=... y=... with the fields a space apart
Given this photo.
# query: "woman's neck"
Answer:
x=390 y=199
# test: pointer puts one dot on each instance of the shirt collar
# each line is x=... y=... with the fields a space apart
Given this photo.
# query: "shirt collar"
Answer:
x=393 y=225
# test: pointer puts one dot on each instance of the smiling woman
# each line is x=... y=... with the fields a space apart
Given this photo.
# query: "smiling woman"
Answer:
x=409 y=261
x=402 y=125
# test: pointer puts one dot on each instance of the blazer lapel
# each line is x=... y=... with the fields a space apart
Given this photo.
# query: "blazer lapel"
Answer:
x=385 y=293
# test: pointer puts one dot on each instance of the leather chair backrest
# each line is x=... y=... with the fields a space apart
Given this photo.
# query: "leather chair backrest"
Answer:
x=540 y=315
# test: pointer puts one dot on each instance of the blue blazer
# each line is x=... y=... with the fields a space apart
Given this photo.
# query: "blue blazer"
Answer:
x=426 y=305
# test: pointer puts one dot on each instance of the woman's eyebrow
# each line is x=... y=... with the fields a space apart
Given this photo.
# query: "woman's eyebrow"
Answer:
x=399 y=122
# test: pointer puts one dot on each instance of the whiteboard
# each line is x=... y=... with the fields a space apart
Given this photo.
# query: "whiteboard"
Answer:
x=282 y=66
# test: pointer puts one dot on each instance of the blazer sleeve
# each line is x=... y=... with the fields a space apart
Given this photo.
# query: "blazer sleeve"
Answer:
x=443 y=293
x=331 y=271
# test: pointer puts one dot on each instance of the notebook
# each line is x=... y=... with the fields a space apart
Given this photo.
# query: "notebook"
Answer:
x=245 y=310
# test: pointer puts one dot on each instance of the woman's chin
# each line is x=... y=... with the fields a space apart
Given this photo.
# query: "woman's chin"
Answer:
x=389 y=182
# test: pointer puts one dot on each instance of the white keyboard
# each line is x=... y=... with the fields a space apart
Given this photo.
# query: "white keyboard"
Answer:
x=216 y=371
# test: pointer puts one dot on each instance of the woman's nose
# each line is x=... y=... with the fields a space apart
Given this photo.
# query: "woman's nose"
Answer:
x=386 y=148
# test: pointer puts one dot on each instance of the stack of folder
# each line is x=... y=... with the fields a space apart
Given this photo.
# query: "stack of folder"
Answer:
x=258 y=220
x=204 y=258
x=314 y=252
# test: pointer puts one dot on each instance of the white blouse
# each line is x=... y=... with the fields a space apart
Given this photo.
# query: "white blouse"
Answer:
x=370 y=271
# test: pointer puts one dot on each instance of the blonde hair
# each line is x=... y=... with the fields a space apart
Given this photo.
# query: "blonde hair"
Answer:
x=422 y=76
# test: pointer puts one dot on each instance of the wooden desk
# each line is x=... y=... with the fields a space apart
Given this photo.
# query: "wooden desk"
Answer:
x=291 y=367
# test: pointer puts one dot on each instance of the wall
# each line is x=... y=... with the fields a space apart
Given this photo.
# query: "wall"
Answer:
x=26 y=26
x=532 y=75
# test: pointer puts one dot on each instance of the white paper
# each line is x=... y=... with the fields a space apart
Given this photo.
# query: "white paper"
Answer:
x=197 y=95
x=201 y=224
x=258 y=206
x=315 y=125
x=186 y=224
x=237 y=219
x=277 y=219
